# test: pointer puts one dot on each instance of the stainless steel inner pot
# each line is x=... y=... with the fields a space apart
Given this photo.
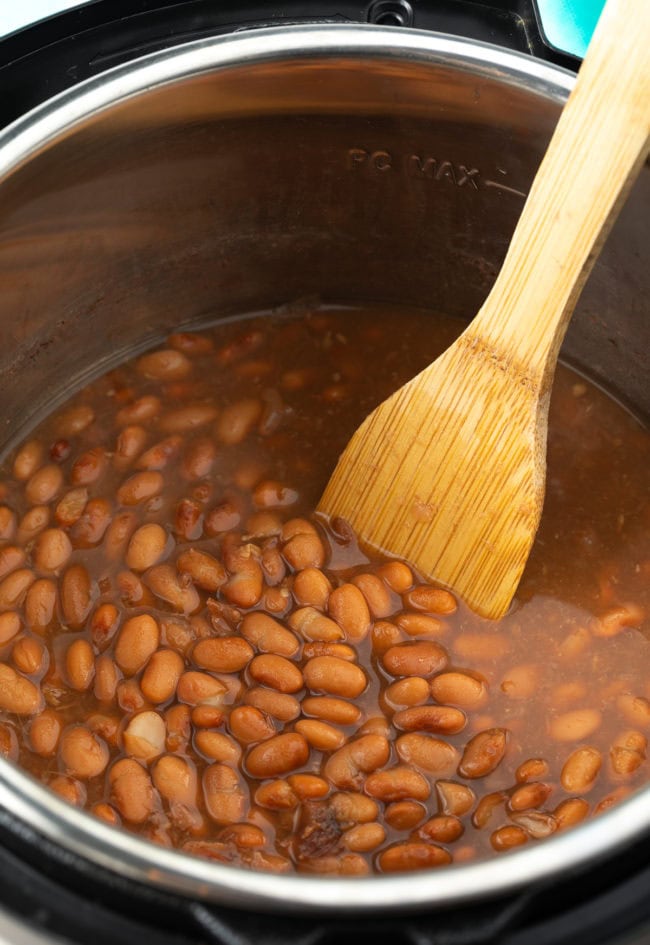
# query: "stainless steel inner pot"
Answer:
x=235 y=174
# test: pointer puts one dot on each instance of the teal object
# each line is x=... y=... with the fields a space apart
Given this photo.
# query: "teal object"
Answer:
x=568 y=24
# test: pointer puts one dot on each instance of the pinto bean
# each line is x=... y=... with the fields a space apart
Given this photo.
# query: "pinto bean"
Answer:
x=424 y=751
x=40 y=605
x=276 y=672
x=313 y=625
x=397 y=575
x=138 y=639
x=30 y=656
x=580 y=770
x=410 y=691
x=144 y=736
x=132 y=792
x=278 y=755
x=52 y=550
x=506 y=838
x=14 y=587
x=268 y=635
x=83 y=754
x=397 y=784
x=331 y=709
x=404 y=815
x=11 y=558
x=28 y=460
x=164 y=365
x=166 y=584
x=75 y=420
x=570 y=812
x=107 y=678
x=320 y=735
x=89 y=467
x=216 y=746
x=454 y=798
x=224 y=794
x=18 y=694
x=432 y=600
x=377 y=595
x=44 y=733
x=334 y=676
x=346 y=767
x=279 y=705
x=459 y=689
x=147 y=546
x=533 y=794
x=77 y=594
x=575 y=726
x=364 y=837
x=348 y=608
x=635 y=709
x=10 y=626
x=223 y=654
x=80 y=665
x=404 y=857
x=440 y=719
x=140 y=487
x=483 y=753
x=205 y=571
x=130 y=443
x=414 y=659
x=237 y=420
x=161 y=676
x=200 y=689
x=302 y=546
x=44 y=485
x=312 y=588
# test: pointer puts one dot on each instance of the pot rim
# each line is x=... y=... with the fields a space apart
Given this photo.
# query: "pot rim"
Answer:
x=128 y=855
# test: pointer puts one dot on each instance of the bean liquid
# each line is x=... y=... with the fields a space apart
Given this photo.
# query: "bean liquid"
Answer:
x=189 y=652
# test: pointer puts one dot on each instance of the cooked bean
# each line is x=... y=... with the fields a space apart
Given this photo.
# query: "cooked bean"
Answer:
x=77 y=595
x=70 y=507
x=313 y=625
x=268 y=635
x=106 y=679
x=89 y=467
x=249 y=725
x=483 y=753
x=537 y=824
x=30 y=656
x=69 y=789
x=506 y=838
x=404 y=857
x=28 y=459
x=147 y=546
x=346 y=767
x=244 y=587
x=11 y=558
x=346 y=864
x=278 y=705
x=276 y=672
x=14 y=588
x=575 y=726
x=106 y=813
x=433 y=600
x=404 y=815
x=480 y=647
x=137 y=640
x=570 y=812
x=397 y=575
x=224 y=796
x=10 y=625
x=531 y=769
x=52 y=550
x=130 y=444
x=44 y=733
x=302 y=546
x=426 y=752
x=308 y=786
x=420 y=625
x=520 y=682
x=164 y=365
x=617 y=619
x=459 y=689
x=445 y=828
x=175 y=779
x=157 y=457
x=132 y=791
x=75 y=420
x=276 y=795
x=628 y=753
x=32 y=523
x=440 y=719
x=200 y=689
x=223 y=654
x=331 y=710
x=144 y=736
x=364 y=837
x=635 y=709
x=40 y=605
x=18 y=694
x=237 y=420
x=140 y=487
x=217 y=747
x=410 y=691
x=397 y=784
x=348 y=608
x=44 y=485
x=83 y=754
x=312 y=588
x=103 y=625
x=91 y=527
x=278 y=755
x=166 y=584
x=117 y=535
x=269 y=494
x=580 y=770
x=205 y=571
x=334 y=676
x=161 y=676
x=533 y=794
x=377 y=595
x=454 y=798
x=414 y=659
x=320 y=735
x=80 y=665
x=129 y=695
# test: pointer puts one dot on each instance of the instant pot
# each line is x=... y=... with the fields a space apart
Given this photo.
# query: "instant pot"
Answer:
x=162 y=162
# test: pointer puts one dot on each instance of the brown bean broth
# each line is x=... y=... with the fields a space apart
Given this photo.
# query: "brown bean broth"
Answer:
x=318 y=377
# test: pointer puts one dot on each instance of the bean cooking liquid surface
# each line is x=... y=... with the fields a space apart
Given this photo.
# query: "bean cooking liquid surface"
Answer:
x=187 y=652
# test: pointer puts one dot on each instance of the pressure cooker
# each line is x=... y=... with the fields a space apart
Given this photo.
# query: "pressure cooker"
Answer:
x=158 y=157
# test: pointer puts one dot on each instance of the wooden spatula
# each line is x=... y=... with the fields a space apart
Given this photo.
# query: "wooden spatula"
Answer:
x=449 y=472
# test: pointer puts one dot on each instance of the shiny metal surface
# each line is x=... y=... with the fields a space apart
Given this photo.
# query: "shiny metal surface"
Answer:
x=240 y=173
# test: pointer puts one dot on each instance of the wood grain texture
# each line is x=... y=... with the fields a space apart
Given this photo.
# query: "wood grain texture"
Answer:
x=449 y=472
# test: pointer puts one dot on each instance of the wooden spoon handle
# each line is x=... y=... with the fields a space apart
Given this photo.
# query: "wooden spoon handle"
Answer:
x=582 y=182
